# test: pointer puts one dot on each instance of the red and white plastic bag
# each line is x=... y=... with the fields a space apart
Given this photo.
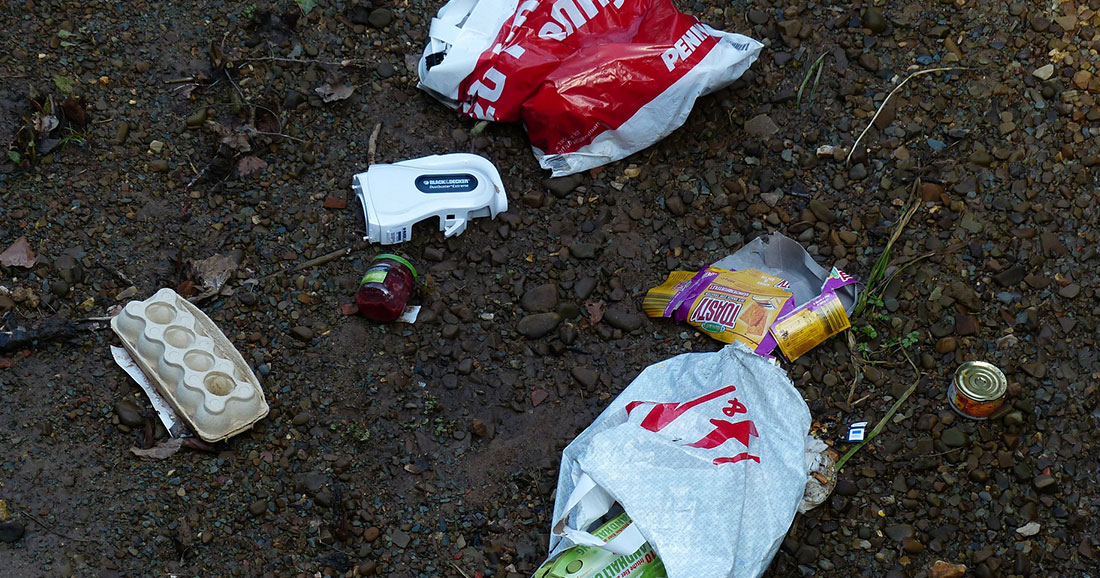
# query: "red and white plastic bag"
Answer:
x=707 y=454
x=592 y=80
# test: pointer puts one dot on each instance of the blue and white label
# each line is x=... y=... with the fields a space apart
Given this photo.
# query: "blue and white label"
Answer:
x=857 y=431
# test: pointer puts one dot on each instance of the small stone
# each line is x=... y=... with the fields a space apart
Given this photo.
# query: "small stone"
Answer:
x=122 y=132
x=301 y=418
x=334 y=203
x=943 y=569
x=1044 y=72
x=129 y=413
x=965 y=324
x=846 y=487
x=11 y=531
x=761 y=125
x=758 y=16
x=822 y=212
x=197 y=119
x=1028 y=529
x=538 y=325
x=478 y=428
x=158 y=166
x=930 y=192
x=585 y=376
x=1014 y=418
x=869 y=61
x=156 y=146
x=371 y=534
x=912 y=546
x=257 y=508
x=954 y=438
x=1070 y=291
x=946 y=345
x=675 y=205
x=400 y=539
x=385 y=69
x=1081 y=78
x=583 y=250
x=302 y=333
x=1011 y=276
x=899 y=532
x=1035 y=369
x=538 y=396
x=623 y=320
x=874 y=21
x=540 y=299
x=534 y=199
x=380 y=18
x=1045 y=483
x=562 y=186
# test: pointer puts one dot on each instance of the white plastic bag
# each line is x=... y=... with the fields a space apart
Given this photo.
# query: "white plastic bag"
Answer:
x=705 y=453
x=592 y=80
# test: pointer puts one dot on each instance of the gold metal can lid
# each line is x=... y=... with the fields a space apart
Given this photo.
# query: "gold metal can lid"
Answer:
x=980 y=381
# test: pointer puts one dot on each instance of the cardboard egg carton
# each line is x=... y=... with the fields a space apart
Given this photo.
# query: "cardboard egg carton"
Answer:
x=190 y=361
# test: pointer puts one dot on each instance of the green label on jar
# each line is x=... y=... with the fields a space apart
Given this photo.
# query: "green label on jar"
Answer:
x=375 y=275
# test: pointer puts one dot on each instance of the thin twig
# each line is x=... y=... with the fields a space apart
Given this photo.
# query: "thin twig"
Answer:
x=53 y=530
x=326 y=258
x=342 y=63
x=372 y=145
x=887 y=99
x=279 y=134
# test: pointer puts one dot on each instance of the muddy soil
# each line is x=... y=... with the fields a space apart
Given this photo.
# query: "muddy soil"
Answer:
x=189 y=130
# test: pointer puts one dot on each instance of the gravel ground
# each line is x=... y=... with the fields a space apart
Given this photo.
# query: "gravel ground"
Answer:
x=432 y=449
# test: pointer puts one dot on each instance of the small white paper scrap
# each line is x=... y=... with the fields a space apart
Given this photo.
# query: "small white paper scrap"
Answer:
x=167 y=415
x=409 y=314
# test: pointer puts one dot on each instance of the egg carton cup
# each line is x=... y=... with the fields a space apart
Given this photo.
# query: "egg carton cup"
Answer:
x=190 y=361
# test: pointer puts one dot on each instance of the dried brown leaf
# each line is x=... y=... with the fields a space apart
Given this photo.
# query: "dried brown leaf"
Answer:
x=236 y=139
x=331 y=93
x=19 y=254
x=161 y=451
x=250 y=165
x=595 y=310
x=214 y=271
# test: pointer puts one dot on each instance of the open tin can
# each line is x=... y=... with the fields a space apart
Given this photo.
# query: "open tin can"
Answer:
x=977 y=390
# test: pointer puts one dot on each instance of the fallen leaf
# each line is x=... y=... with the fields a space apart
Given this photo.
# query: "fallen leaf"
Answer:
x=187 y=288
x=6 y=363
x=595 y=310
x=331 y=93
x=213 y=272
x=161 y=451
x=306 y=5
x=250 y=165
x=63 y=83
x=236 y=139
x=19 y=254
x=349 y=309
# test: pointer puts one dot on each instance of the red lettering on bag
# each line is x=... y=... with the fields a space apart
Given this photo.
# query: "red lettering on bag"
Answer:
x=735 y=459
x=724 y=430
x=663 y=414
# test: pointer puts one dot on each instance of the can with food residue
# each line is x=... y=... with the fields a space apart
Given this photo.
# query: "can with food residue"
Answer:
x=977 y=390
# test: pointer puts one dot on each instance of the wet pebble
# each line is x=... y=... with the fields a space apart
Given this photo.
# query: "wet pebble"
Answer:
x=541 y=299
x=623 y=320
x=129 y=413
x=11 y=531
x=301 y=333
x=380 y=17
x=257 y=508
x=562 y=186
x=873 y=20
x=538 y=325
x=585 y=376
x=954 y=438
